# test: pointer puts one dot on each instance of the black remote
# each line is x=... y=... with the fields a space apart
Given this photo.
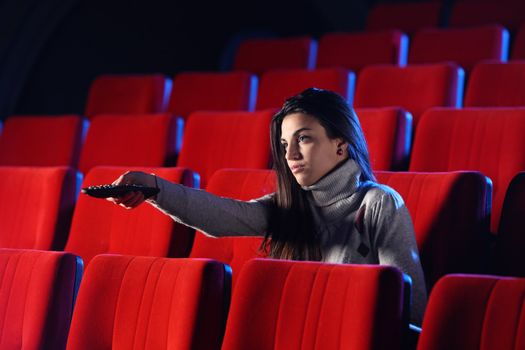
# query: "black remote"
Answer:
x=115 y=191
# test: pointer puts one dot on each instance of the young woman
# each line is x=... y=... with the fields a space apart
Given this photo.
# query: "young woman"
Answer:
x=327 y=206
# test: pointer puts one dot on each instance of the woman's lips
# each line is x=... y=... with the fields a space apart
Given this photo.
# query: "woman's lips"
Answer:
x=297 y=168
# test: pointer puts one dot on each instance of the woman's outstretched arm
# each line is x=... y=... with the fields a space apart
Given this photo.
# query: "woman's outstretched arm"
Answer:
x=211 y=214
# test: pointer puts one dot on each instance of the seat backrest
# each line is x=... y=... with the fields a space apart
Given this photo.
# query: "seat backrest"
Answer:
x=148 y=140
x=450 y=216
x=128 y=94
x=481 y=139
x=129 y=302
x=414 y=88
x=37 y=206
x=408 y=17
x=36 y=298
x=279 y=85
x=355 y=50
x=216 y=140
x=42 y=140
x=518 y=44
x=242 y=184
x=509 y=258
x=194 y=91
x=100 y=226
x=474 y=312
x=465 y=46
x=297 y=305
x=388 y=133
x=469 y=13
x=259 y=55
x=494 y=84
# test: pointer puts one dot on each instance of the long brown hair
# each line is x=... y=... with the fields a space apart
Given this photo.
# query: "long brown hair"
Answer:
x=291 y=232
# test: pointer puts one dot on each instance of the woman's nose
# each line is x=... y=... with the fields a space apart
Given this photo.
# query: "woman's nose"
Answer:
x=292 y=153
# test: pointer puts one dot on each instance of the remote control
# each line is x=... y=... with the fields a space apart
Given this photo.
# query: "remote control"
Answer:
x=115 y=191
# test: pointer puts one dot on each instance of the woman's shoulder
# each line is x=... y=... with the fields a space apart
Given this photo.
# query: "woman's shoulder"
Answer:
x=380 y=194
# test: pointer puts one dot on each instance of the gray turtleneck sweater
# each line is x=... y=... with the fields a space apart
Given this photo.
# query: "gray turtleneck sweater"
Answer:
x=358 y=222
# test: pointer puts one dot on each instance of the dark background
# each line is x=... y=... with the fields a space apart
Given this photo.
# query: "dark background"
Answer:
x=50 y=50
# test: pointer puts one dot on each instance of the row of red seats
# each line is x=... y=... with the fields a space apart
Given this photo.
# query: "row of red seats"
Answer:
x=412 y=16
x=482 y=139
x=354 y=51
x=450 y=211
x=144 y=302
x=121 y=139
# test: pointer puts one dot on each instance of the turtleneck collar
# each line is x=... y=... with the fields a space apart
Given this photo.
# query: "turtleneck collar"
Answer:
x=338 y=184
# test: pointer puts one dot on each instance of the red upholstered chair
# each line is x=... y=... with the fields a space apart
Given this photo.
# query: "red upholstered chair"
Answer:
x=100 y=226
x=497 y=85
x=518 y=45
x=469 y=13
x=408 y=17
x=128 y=302
x=450 y=213
x=42 y=140
x=388 y=133
x=193 y=91
x=487 y=140
x=465 y=46
x=243 y=184
x=414 y=88
x=259 y=55
x=278 y=85
x=36 y=298
x=37 y=204
x=510 y=245
x=297 y=305
x=474 y=312
x=128 y=94
x=356 y=50
x=216 y=140
x=131 y=140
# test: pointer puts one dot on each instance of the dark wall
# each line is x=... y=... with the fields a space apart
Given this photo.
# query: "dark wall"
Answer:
x=80 y=39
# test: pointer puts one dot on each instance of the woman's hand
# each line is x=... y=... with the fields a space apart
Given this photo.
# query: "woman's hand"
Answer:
x=135 y=198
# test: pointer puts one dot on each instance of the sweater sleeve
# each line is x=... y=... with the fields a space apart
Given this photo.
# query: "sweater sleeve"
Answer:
x=396 y=245
x=211 y=214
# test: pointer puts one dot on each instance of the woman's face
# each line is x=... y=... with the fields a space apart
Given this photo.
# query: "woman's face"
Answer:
x=309 y=152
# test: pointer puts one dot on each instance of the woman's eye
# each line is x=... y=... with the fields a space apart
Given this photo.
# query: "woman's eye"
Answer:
x=302 y=138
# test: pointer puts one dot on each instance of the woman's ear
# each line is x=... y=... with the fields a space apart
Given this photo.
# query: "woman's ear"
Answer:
x=342 y=143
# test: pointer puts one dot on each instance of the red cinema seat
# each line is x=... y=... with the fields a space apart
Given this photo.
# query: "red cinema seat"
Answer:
x=279 y=85
x=128 y=302
x=474 y=312
x=408 y=17
x=259 y=55
x=518 y=45
x=451 y=217
x=388 y=133
x=355 y=50
x=292 y=305
x=128 y=94
x=510 y=245
x=36 y=298
x=37 y=206
x=100 y=226
x=414 y=88
x=494 y=84
x=216 y=140
x=481 y=139
x=42 y=140
x=242 y=184
x=469 y=13
x=149 y=140
x=465 y=46
x=194 y=91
